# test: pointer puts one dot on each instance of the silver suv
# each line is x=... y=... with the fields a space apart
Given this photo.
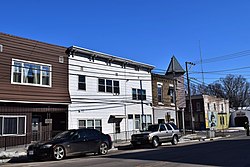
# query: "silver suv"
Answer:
x=157 y=134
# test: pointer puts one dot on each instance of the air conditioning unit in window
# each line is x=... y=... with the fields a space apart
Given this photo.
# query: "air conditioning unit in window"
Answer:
x=1 y=48
x=61 y=59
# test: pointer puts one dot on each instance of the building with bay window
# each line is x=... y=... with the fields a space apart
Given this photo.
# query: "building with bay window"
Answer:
x=34 y=90
x=108 y=93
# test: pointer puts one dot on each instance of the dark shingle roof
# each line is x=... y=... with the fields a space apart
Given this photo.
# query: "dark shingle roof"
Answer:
x=174 y=66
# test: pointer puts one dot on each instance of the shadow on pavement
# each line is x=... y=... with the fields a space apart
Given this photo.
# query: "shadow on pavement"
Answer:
x=216 y=153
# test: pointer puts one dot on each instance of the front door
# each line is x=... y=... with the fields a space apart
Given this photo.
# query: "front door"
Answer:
x=36 y=129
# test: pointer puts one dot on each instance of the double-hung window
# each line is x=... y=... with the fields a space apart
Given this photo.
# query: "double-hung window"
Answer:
x=31 y=73
x=12 y=125
x=159 y=92
x=171 y=93
x=138 y=94
x=108 y=85
x=81 y=82
x=91 y=124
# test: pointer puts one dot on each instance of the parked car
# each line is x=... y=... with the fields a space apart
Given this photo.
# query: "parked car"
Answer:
x=157 y=134
x=71 y=142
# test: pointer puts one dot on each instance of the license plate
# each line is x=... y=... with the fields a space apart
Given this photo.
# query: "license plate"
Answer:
x=31 y=152
x=138 y=142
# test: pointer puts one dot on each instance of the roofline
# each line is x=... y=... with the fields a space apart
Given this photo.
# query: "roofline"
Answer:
x=108 y=56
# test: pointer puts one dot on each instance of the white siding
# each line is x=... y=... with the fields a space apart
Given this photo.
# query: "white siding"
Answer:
x=91 y=104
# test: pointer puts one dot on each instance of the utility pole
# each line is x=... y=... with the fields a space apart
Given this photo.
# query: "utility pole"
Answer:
x=142 y=111
x=189 y=94
x=175 y=104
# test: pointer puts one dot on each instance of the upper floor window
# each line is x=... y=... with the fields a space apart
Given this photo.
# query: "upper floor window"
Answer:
x=171 y=93
x=81 y=82
x=108 y=85
x=159 y=92
x=29 y=73
x=214 y=107
x=208 y=106
x=138 y=93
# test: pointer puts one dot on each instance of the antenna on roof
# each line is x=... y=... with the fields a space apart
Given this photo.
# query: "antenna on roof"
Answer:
x=202 y=72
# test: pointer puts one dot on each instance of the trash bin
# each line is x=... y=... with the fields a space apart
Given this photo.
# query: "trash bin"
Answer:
x=210 y=133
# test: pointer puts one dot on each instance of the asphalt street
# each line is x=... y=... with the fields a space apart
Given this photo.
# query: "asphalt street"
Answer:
x=232 y=151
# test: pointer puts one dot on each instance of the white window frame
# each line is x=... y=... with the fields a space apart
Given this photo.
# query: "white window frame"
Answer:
x=13 y=116
x=31 y=62
x=86 y=121
x=137 y=94
x=160 y=85
x=105 y=86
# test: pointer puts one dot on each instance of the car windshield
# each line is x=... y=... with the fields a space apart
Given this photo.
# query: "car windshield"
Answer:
x=64 y=135
x=153 y=128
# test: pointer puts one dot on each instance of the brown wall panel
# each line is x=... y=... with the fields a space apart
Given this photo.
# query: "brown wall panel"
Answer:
x=34 y=51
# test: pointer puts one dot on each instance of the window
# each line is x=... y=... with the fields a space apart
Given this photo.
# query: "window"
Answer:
x=208 y=106
x=81 y=82
x=90 y=124
x=198 y=106
x=31 y=73
x=222 y=108
x=130 y=116
x=12 y=125
x=107 y=85
x=136 y=94
x=171 y=93
x=101 y=85
x=159 y=91
x=214 y=107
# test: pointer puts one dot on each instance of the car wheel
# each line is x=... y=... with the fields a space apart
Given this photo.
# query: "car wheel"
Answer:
x=174 y=140
x=58 y=153
x=103 y=148
x=155 y=142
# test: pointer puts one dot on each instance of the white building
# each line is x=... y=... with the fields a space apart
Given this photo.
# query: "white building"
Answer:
x=105 y=92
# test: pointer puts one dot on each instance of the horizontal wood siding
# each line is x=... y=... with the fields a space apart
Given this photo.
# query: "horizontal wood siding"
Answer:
x=38 y=52
x=15 y=109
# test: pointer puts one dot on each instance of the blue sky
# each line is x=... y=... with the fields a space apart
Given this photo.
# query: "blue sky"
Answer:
x=141 y=30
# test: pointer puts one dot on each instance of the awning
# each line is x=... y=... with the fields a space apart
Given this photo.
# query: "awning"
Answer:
x=116 y=118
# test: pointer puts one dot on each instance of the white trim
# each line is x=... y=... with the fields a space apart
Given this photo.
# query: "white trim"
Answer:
x=9 y=101
x=14 y=116
x=29 y=84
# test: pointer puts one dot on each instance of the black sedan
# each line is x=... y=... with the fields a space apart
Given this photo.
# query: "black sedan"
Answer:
x=71 y=142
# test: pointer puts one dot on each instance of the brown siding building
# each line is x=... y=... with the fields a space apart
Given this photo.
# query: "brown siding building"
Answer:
x=163 y=90
x=34 y=93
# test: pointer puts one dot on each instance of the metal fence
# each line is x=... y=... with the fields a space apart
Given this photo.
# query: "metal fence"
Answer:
x=122 y=136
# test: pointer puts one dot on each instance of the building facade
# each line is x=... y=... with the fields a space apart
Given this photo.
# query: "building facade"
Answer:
x=34 y=90
x=209 y=112
x=166 y=106
x=108 y=93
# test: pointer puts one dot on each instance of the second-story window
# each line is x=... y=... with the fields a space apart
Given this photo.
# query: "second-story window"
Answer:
x=208 y=106
x=159 y=92
x=29 y=73
x=107 y=85
x=214 y=107
x=222 y=108
x=81 y=82
x=171 y=93
x=138 y=93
